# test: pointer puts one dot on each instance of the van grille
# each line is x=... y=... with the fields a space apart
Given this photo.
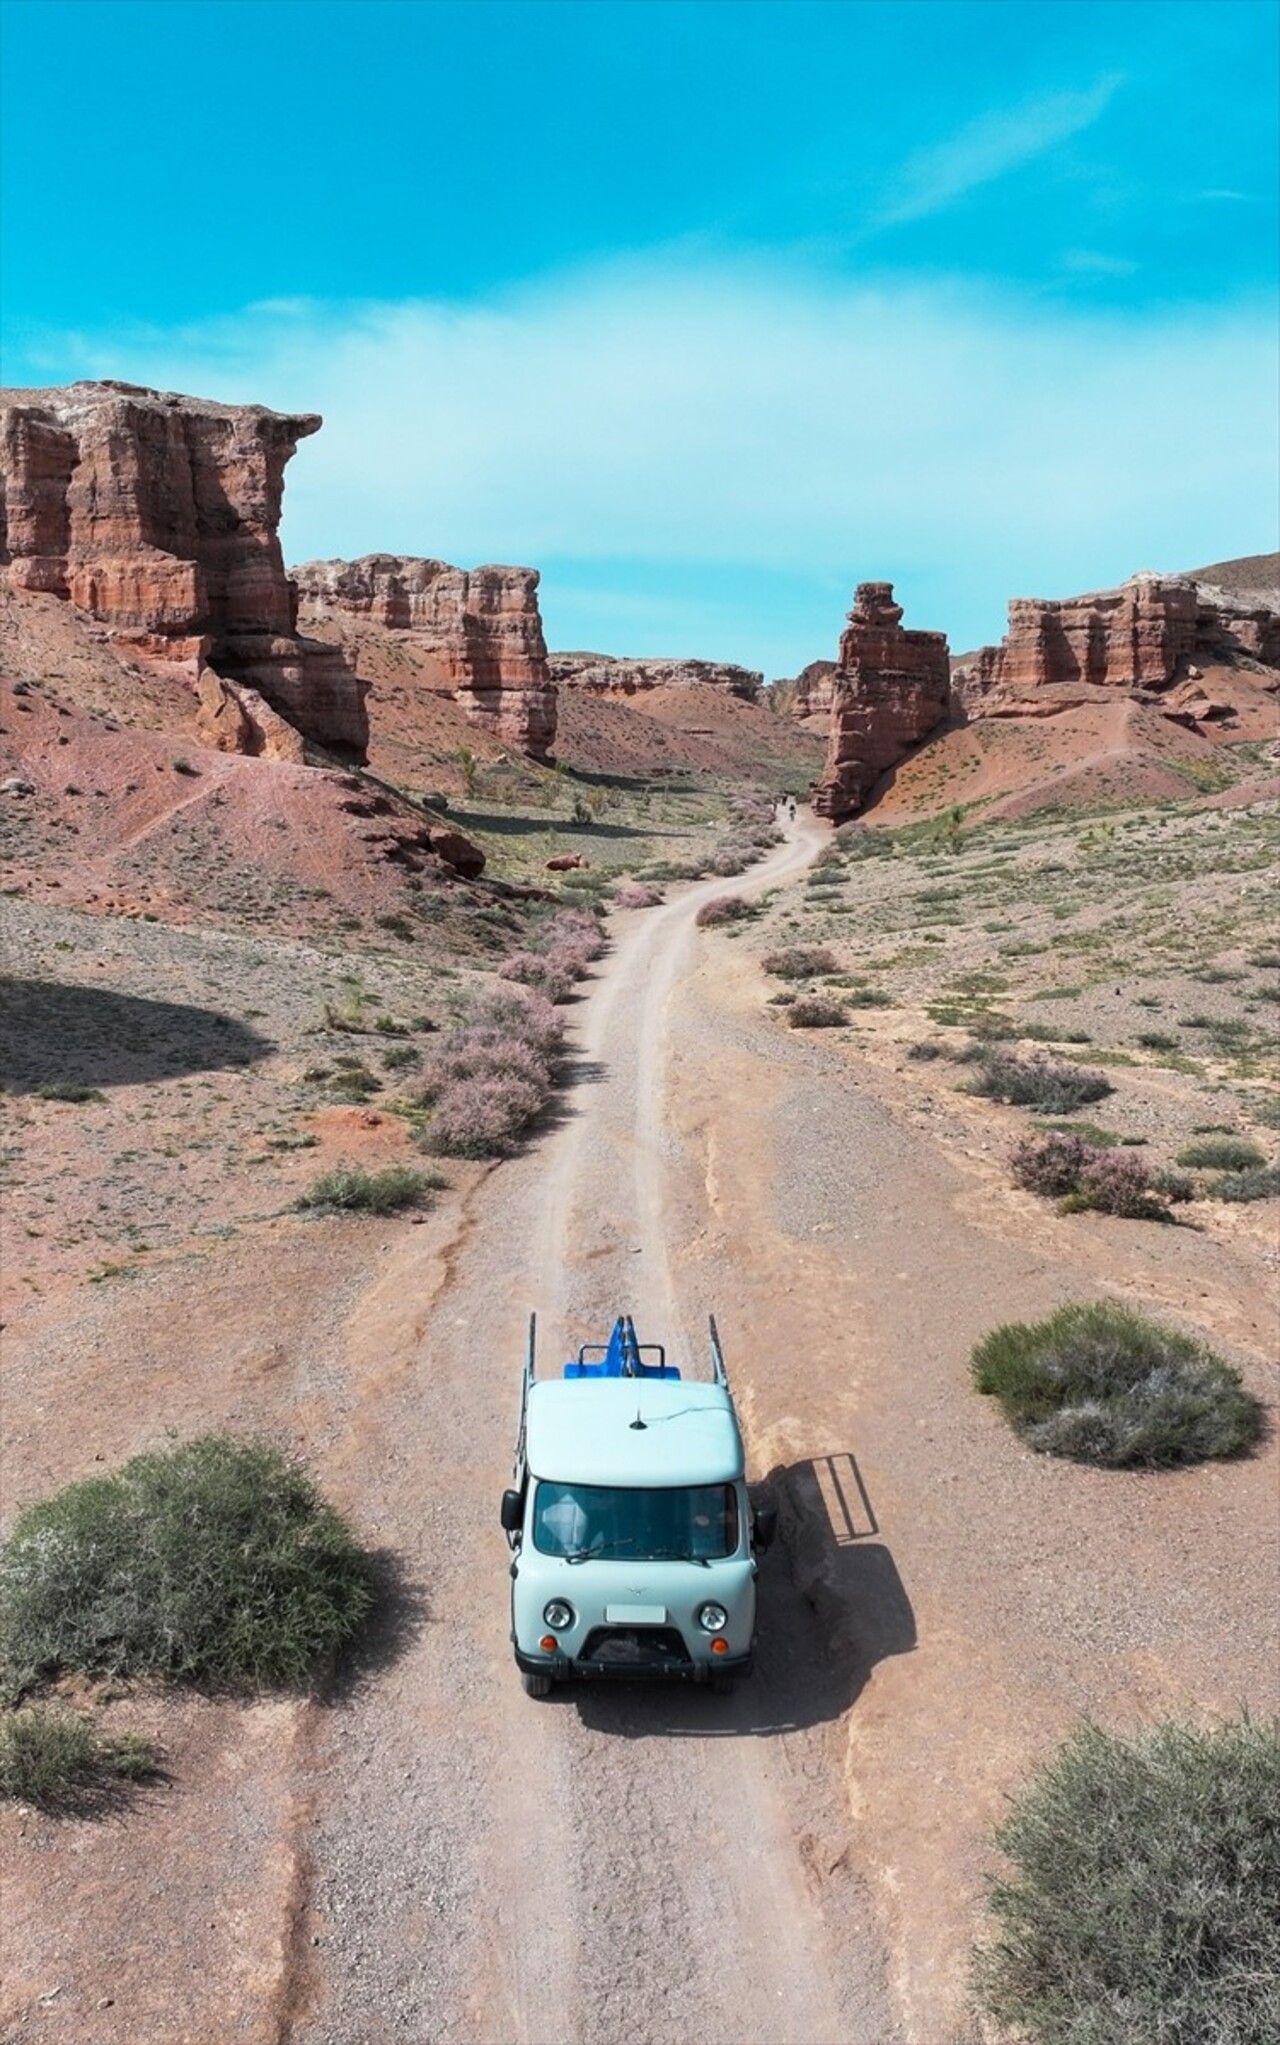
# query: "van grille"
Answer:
x=641 y=1646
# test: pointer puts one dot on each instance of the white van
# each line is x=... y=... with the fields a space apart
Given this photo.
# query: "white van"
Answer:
x=634 y=1539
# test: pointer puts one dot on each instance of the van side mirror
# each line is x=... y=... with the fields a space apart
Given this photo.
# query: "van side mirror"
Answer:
x=765 y=1527
x=512 y=1511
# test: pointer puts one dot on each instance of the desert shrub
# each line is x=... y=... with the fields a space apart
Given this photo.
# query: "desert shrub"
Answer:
x=1115 y=1184
x=397 y=926
x=1156 y=1040
x=868 y=997
x=1101 y=1384
x=817 y=1012
x=799 y=961
x=724 y=909
x=348 y=1190
x=730 y=859
x=534 y=969
x=1038 y=1083
x=637 y=895
x=481 y=1116
x=68 y=1090
x=1264 y=1109
x=353 y=1081
x=401 y=1057
x=60 y=1763
x=1263 y=1184
x=1222 y=1154
x=1051 y=1165
x=1174 y=1186
x=511 y=1014
x=216 y=1563
x=930 y=1048
x=1140 y=1898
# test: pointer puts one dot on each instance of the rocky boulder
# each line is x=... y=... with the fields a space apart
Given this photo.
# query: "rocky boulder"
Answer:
x=476 y=634
x=890 y=689
x=158 y=515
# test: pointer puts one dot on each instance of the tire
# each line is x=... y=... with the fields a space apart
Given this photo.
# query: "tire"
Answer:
x=535 y=1684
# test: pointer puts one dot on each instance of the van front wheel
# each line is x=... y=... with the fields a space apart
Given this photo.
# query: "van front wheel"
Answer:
x=535 y=1684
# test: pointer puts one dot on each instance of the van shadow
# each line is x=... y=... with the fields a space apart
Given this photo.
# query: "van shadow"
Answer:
x=831 y=1607
x=57 y=1033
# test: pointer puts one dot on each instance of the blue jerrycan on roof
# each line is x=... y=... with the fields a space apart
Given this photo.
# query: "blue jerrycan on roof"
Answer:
x=621 y=1357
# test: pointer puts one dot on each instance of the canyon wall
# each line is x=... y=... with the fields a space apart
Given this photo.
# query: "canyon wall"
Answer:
x=158 y=515
x=890 y=689
x=475 y=634
x=1140 y=636
x=605 y=674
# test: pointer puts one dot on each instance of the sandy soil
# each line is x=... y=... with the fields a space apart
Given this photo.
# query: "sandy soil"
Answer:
x=428 y=1853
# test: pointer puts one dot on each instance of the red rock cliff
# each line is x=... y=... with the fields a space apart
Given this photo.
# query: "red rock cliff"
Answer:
x=1135 y=637
x=889 y=690
x=476 y=633
x=606 y=674
x=158 y=514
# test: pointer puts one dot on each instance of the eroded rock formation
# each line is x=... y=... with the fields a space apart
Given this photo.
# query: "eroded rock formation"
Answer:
x=158 y=515
x=1140 y=636
x=890 y=689
x=476 y=634
x=809 y=695
x=604 y=674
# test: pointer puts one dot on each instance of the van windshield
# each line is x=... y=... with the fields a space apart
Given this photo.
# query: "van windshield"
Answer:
x=583 y=1521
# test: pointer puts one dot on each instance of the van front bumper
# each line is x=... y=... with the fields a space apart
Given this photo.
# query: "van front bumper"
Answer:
x=632 y=1666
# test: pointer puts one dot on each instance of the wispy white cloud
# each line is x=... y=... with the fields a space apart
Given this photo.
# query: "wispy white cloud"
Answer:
x=1095 y=263
x=753 y=439
x=990 y=147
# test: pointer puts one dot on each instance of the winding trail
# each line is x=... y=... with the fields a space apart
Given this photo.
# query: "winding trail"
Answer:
x=613 y=1865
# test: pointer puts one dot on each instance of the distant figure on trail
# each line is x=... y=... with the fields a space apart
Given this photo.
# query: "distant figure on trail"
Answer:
x=791 y=807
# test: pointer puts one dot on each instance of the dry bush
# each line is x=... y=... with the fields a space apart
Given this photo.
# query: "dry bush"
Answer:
x=1038 y=1083
x=1139 y=1898
x=636 y=895
x=1101 y=1384
x=799 y=961
x=817 y=1012
x=1051 y=1165
x=724 y=909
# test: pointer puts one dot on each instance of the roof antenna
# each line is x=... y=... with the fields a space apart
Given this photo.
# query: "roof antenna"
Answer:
x=638 y=1422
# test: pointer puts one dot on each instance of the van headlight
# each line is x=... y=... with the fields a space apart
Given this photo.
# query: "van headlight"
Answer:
x=713 y=1617
x=558 y=1615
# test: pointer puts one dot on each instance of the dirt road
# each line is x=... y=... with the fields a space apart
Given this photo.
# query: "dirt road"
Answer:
x=611 y=1865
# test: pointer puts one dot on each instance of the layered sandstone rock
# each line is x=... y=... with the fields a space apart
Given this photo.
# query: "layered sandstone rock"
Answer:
x=809 y=695
x=1140 y=636
x=890 y=689
x=158 y=515
x=476 y=634
x=604 y=674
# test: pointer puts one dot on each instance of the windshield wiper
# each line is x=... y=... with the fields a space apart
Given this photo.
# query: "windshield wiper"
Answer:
x=678 y=1555
x=586 y=1554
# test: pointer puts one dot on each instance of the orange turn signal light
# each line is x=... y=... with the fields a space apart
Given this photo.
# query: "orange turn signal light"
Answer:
x=719 y=1646
x=548 y=1643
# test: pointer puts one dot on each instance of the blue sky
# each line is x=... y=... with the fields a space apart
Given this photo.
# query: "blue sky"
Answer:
x=708 y=311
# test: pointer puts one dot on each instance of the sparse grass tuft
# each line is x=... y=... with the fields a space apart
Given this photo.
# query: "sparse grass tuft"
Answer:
x=60 y=1764
x=1037 y=1083
x=1237 y=1186
x=215 y=1563
x=1221 y=1154
x=1101 y=1384
x=348 y=1190
x=68 y=1090
x=1140 y=1897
